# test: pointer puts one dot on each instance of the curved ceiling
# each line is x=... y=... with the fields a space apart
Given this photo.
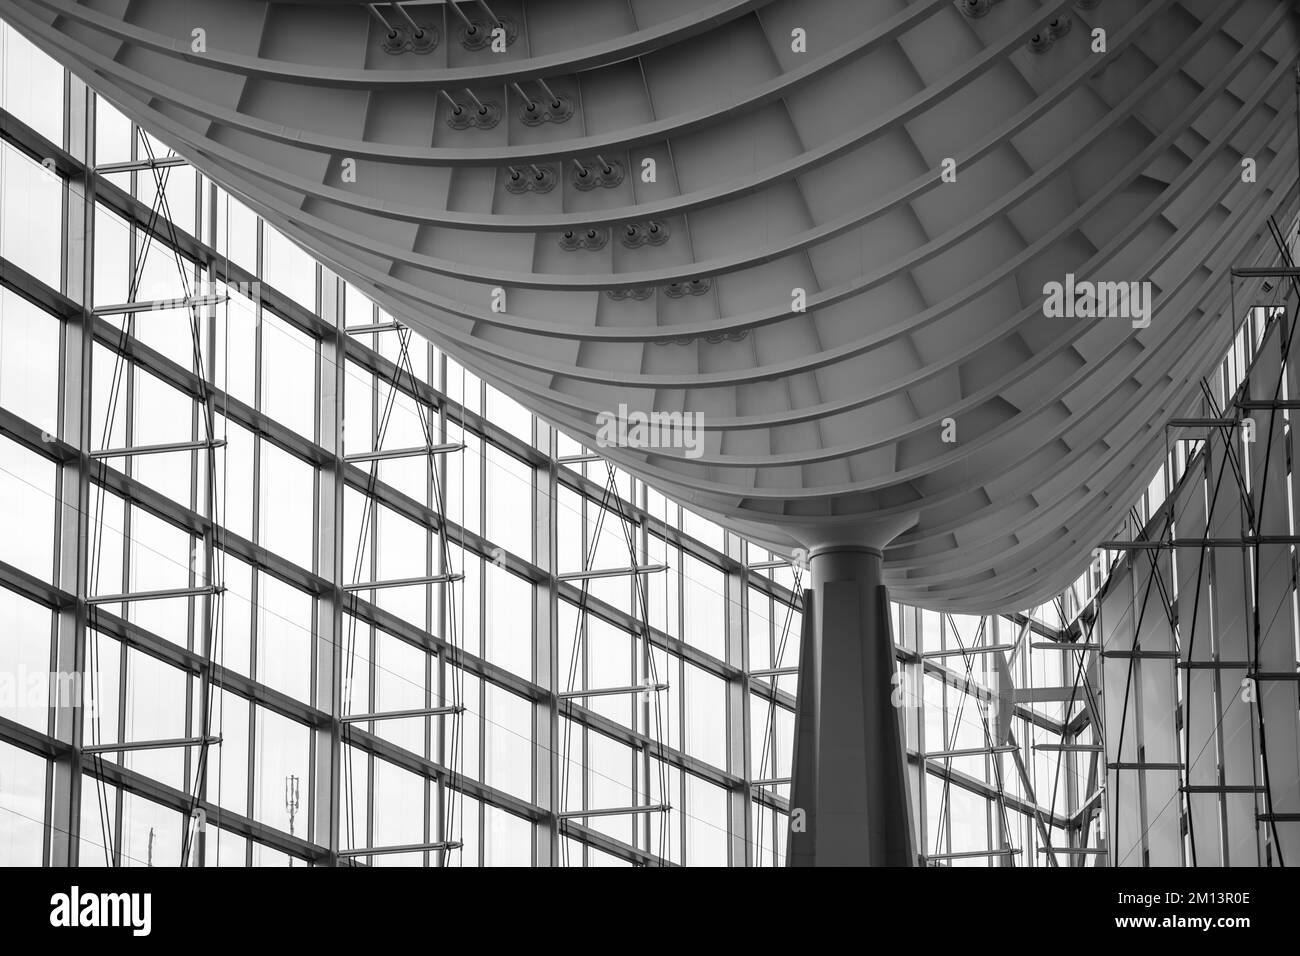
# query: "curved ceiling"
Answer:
x=776 y=168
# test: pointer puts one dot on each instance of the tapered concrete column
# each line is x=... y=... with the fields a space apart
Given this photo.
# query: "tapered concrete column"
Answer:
x=850 y=770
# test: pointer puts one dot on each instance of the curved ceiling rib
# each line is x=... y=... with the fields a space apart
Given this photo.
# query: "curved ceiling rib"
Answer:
x=782 y=84
x=591 y=54
x=822 y=290
x=861 y=284
x=776 y=173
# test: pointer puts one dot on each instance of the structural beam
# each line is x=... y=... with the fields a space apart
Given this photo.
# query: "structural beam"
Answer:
x=971 y=752
x=137 y=596
x=1281 y=404
x=373 y=327
x=612 y=691
x=967 y=651
x=614 y=811
x=416 y=452
x=403 y=714
x=405 y=582
x=611 y=572
x=402 y=848
x=969 y=855
x=1138 y=765
x=137 y=165
x=158 y=449
x=174 y=743
x=159 y=305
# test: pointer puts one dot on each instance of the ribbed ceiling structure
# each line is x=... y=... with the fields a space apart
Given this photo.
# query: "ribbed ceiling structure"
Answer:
x=797 y=145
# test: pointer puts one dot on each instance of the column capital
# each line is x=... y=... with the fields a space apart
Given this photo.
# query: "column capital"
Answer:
x=838 y=534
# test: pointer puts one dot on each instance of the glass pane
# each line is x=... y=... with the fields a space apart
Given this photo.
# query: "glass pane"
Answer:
x=22 y=806
x=32 y=85
x=31 y=216
x=29 y=362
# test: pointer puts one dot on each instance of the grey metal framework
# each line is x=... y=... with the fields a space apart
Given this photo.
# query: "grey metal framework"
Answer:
x=1199 y=621
x=487 y=675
